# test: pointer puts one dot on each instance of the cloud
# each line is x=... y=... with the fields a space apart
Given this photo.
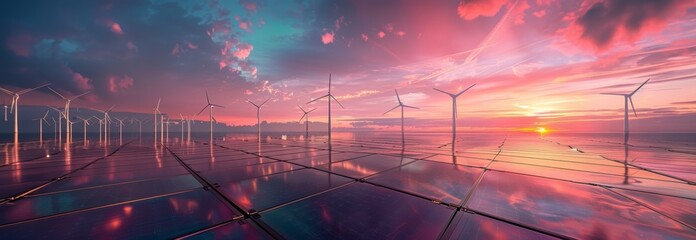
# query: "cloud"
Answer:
x=243 y=51
x=604 y=24
x=115 y=28
x=82 y=82
x=116 y=83
x=364 y=37
x=381 y=34
x=472 y=9
x=327 y=37
x=20 y=44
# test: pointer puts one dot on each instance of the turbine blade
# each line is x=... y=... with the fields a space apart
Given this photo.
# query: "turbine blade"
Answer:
x=634 y=109
x=385 y=113
x=54 y=91
x=329 y=83
x=318 y=98
x=31 y=89
x=46 y=114
x=158 y=103
x=311 y=110
x=207 y=98
x=617 y=94
x=45 y=121
x=460 y=93
x=6 y=91
x=397 y=96
x=303 y=116
x=451 y=95
x=111 y=108
x=199 y=113
x=14 y=104
x=214 y=120
x=252 y=103
x=634 y=91
x=339 y=103
x=410 y=106
x=78 y=96
x=215 y=105
x=264 y=102
x=302 y=110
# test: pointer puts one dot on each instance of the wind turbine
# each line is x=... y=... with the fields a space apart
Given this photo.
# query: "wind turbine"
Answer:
x=402 y=105
x=85 y=122
x=140 y=126
x=15 y=104
x=258 y=116
x=41 y=121
x=210 y=106
x=120 y=130
x=306 y=117
x=454 y=110
x=4 y=105
x=61 y=115
x=627 y=99
x=106 y=120
x=329 y=97
x=54 y=129
x=182 y=121
x=68 y=127
x=156 y=111
x=101 y=121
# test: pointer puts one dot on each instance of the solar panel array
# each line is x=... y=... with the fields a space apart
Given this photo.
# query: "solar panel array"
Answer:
x=371 y=187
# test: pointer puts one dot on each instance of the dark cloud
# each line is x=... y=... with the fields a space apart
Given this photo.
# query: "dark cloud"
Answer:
x=86 y=44
x=606 y=22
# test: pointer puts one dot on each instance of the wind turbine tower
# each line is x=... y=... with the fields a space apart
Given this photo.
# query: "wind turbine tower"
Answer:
x=454 y=109
x=402 y=105
x=329 y=96
x=258 y=116
x=627 y=99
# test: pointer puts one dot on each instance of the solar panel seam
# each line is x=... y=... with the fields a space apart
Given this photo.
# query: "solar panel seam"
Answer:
x=220 y=195
x=19 y=196
x=651 y=208
x=97 y=207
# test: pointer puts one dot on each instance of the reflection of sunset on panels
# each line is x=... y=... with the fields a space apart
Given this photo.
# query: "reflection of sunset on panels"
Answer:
x=355 y=119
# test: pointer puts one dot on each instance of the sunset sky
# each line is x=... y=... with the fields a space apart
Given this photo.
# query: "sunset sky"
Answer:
x=535 y=62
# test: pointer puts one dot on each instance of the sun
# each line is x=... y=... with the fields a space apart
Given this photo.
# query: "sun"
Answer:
x=541 y=130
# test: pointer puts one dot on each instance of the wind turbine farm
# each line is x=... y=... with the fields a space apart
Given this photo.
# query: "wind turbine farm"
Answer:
x=487 y=119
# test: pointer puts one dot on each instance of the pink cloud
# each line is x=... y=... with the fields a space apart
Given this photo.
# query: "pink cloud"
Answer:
x=82 y=82
x=472 y=9
x=364 y=37
x=176 y=50
x=340 y=21
x=400 y=34
x=605 y=24
x=246 y=25
x=132 y=47
x=540 y=13
x=327 y=38
x=192 y=46
x=116 y=83
x=250 y=6
x=243 y=51
x=389 y=27
x=381 y=34
x=115 y=28
x=20 y=44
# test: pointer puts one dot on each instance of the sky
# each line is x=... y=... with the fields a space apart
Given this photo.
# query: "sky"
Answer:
x=535 y=63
